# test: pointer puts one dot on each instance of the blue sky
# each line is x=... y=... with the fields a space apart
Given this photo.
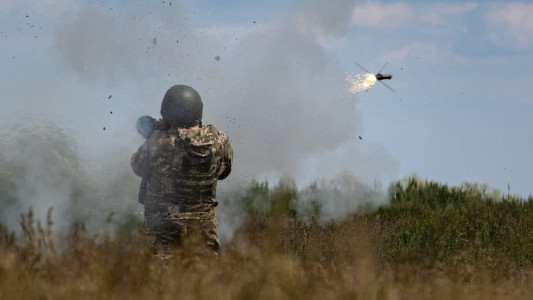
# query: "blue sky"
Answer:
x=462 y=72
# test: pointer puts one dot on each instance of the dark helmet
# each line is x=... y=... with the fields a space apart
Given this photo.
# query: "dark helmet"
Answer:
x=182 y=107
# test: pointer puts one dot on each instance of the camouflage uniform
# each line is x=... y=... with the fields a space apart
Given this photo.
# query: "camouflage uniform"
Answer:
x=183 y=166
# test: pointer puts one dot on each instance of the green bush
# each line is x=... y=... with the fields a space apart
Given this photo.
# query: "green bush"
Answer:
x=427 y=221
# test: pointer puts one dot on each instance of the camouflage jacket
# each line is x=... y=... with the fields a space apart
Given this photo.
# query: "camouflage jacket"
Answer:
x=183 y=166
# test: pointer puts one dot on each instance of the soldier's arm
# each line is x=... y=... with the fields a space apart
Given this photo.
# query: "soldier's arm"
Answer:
x=227 y=158
x=139 y=161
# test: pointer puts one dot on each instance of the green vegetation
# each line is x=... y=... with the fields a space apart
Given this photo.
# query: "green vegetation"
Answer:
x=429 y=241
x=432 y=223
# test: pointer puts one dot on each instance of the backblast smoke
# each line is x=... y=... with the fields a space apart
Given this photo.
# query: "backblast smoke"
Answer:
x=276 y=92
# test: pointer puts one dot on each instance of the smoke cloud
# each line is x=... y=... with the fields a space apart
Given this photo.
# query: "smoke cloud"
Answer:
x=345 y=195
x=41 y=169
x=273 y=87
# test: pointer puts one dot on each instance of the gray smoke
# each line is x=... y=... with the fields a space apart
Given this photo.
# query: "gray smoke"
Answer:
x=40 y=168
x=274 y=87
x=277 y=92
x=338 y=198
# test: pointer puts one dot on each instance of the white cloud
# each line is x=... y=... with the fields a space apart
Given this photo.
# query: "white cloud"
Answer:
x=382 y=15
x=441 y=13
x=417 y=50
x=511 y=25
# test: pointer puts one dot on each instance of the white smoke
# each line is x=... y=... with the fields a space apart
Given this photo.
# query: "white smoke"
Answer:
x=274 y=87
x=338 y=198
x=41 y=169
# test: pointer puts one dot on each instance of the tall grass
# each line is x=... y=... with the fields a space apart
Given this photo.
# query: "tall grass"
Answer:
x=429 y=241
x=433 y=223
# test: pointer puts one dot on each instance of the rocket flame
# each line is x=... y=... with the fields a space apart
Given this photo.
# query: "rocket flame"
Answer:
x=357 y=83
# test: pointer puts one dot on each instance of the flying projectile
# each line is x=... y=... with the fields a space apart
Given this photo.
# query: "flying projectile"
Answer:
x=379 y=76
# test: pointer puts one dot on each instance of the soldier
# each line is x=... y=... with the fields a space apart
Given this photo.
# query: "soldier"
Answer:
x=182 y=161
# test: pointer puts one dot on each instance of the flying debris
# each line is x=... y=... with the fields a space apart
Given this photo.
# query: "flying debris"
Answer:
x=357 y=83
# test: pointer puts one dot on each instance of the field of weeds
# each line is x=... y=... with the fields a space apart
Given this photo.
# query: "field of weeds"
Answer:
x=430 y=242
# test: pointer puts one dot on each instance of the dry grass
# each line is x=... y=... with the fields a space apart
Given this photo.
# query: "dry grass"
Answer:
x=282 y=260
x=275 y=255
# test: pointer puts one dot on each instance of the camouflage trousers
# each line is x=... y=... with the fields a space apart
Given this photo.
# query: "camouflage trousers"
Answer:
x=167 y=226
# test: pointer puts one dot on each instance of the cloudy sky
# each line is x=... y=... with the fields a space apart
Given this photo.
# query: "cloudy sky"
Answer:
x=271 y=75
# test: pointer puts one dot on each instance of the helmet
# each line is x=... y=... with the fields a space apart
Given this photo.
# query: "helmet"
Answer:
x=182 y=107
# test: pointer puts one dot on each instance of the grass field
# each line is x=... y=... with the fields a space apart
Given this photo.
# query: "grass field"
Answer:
x=430 y=241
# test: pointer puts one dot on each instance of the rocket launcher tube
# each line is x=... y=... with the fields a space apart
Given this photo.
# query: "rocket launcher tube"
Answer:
x=145 y=126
